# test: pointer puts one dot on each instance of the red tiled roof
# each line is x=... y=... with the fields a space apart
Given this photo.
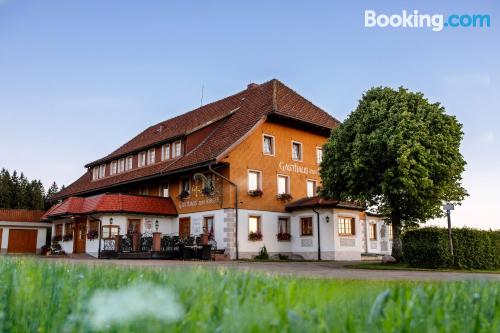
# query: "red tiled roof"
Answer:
x=317 y=202
x=20 y=215
x=112 y=203
x=237 y=114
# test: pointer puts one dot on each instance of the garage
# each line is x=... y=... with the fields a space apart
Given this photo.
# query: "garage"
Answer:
x=22 y=241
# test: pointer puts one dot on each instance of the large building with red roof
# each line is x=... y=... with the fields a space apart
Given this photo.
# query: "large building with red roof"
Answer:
x=243 y=170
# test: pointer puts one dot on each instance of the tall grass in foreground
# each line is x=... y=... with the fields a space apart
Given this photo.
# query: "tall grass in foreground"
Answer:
x=54 y=297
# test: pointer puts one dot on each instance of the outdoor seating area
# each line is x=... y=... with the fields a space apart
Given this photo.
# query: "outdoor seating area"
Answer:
x=158 y=246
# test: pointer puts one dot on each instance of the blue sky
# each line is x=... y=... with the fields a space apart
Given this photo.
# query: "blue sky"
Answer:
x=79 y=78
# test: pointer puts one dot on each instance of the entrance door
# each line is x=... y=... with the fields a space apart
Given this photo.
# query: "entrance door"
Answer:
x=80 y=237
x=1 y=231
x=184 y=227
x=22 y=241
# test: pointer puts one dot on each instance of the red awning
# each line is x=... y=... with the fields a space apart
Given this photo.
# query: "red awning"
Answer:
x=112 y=203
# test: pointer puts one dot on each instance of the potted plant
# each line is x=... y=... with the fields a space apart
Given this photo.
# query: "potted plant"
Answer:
x=184 y=194
x=255 y=193
x=284 y=196
x=92 y=234
x=67 y=237
x=255 y=236
x=283 y=236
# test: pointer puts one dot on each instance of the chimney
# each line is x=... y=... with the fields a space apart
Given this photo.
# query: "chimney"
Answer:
x=252 y=85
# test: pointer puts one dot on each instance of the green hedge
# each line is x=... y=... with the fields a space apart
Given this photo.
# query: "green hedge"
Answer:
x=473 y=249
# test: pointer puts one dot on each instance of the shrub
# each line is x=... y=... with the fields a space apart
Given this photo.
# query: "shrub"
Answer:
x=263 y=255
x=473 y=249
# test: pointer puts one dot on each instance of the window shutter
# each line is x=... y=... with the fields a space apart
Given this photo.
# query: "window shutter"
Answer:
x=353 y=226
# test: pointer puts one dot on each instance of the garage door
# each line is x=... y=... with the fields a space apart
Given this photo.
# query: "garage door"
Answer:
x=22 y=241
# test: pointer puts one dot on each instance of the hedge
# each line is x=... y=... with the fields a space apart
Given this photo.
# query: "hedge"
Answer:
x=473 y=249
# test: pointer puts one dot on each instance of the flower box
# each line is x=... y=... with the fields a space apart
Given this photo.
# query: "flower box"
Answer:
x=93 y=234
x=255 y=236
x=56 y=239
x=284 y=196
x=255 y=193
x=67 y=238
x=283 y=236
x=184 y=195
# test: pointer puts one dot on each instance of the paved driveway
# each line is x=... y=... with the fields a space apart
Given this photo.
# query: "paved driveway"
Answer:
x=327 y=269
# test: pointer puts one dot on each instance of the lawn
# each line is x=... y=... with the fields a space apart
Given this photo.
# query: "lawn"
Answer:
x=407 y=267
x=38 y=296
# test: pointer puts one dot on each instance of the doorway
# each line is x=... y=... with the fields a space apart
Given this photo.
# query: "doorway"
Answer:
x=80 y=237
x=184 y=227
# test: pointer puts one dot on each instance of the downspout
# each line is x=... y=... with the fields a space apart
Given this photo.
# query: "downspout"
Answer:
x=319 y=234
x=235 y=205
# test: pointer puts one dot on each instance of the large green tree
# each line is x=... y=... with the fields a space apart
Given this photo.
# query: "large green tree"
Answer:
x=397 y=154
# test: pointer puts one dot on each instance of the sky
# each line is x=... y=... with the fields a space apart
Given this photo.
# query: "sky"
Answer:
x=80 y=78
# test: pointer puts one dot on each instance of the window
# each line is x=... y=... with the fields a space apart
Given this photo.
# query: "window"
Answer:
x=296 y=151
x=134 y=226
x=185 y=185
x=165 y=152
x=208 y=225
x=311 y=188
x=389 y=230
x=114 y=168
x=110 y=231
x=346 y=226
x=283 y=184
x=177 y=149
x=254 y=180
x=142 y=159
x=143 y=191
x=164 y=191
x=373 y=231
x=151 y=156
x=128 y=164
x=121 y=165
x=93 y=225
x=268 y=142
x=306 y=226
x=95 y=173
x=254 y=224
x=68 y=229
x=59 y=230
x=283 y=225
x=102 y=170
x=319 y=155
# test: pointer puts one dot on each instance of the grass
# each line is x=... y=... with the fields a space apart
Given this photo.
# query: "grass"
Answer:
x=406 y=267
x=51 y=297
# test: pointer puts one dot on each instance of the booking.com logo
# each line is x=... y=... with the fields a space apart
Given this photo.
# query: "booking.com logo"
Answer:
x=436 y=22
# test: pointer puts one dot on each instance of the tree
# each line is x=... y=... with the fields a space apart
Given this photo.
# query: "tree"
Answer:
x=397 y=154
x=17 y=192
x=53 y=190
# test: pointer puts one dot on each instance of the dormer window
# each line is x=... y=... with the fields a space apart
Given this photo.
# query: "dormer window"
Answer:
x=121 y=165
x=114 y=168
x=128 y=163
x=102 y=170
x=177 y=149
x=165 y=152
x=142 y=159
x=95 y=173
x=151 y=156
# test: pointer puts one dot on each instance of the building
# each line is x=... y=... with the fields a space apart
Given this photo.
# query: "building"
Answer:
x=21 y=231
x=244 y=169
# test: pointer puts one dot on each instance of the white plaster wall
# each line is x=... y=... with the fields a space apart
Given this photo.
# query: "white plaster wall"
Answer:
x=343 y=252
x=197 y=224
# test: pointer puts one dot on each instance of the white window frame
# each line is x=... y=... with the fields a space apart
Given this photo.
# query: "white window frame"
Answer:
x=165 y=152
x=113 y=168
x=176 y=153
x=121 y=165
x=315 y=186
x=142 y=158
x=287 y=184
x=259 y=179
x=301 y=151
x=273 y=145
x=162 y=190
x=95 y=173
x=129 y=163
x=102 y=171
x=319 y=155
x=151 y=156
